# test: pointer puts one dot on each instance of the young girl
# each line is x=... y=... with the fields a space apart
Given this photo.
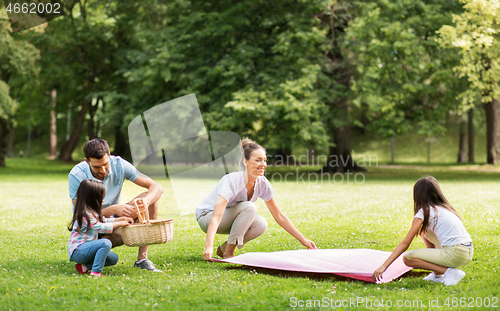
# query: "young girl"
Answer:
x=89 y=252
x=229 y=208
x=448 y=244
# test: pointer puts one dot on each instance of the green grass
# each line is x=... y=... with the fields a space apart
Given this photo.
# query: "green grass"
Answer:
x=35 y=273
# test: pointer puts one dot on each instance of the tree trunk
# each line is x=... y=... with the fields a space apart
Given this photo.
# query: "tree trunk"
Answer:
x=428 y=152
x=91 y=128
x=492 y=110
x=70 y=145
x=471 y=136
x=121 y=145
x=340 y=159
x=310 y=156
x=393 y=149
x=364 y=118
x=10 y=146
x=53 y=126
x=103 y=110
x=462 y=146
x=285 y=157
x=5 y=129
x=339 y=71
x=28 y=152
x=68 y=123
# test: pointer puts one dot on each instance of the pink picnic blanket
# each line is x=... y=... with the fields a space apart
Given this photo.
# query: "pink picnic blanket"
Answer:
x=357 y=264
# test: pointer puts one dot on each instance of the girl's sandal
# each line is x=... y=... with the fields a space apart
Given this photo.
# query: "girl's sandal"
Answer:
x=95 y=274
x=221 y=249
x=81 y=269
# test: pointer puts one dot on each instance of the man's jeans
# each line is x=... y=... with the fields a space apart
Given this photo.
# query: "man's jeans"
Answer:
x=95 y=255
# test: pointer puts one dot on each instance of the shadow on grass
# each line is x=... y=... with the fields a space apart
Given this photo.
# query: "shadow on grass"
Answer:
x=47 y=268
x=315 y=276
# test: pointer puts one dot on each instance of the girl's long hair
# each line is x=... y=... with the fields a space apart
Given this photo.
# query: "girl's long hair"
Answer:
x=427 y=194
x=89 y=197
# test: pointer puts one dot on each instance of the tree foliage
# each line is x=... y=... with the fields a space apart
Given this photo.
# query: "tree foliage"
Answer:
x=476 y=34
x=252 y=64
x=18 y=74
x=288 y=73
x=403 y=76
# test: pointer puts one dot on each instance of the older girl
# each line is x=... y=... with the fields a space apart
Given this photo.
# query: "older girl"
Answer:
x=229 y=208
x=449 y=246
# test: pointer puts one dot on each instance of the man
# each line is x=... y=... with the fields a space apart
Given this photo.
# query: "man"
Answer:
x=112 y=171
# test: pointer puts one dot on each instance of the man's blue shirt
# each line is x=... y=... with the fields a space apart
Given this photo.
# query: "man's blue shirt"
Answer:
x=119 y=170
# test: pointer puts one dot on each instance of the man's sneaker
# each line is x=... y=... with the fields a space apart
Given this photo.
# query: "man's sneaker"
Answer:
x=435 y=278
x=146 y=264
x=453 y=276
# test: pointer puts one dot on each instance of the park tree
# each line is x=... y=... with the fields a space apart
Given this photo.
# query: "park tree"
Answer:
x=253 y=66
x=91 y=56
x=475 y=34
x=266 y=69
x=77 y=51
x=336 y=91
x=140 y=31
x=403 y=75
x=18 y=75
x=270 y=70
x=285 y=98
x=276 y=71
x=466 y=136
x=87 y=59
x=7 y=108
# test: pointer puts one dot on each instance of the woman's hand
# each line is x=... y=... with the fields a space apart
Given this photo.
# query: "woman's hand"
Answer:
x=377 y=274
x=220 y=207
x=309 y=244
x=286 y=224
x=208 y=253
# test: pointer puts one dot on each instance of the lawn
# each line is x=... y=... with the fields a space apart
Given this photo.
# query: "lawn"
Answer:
x=35 y=273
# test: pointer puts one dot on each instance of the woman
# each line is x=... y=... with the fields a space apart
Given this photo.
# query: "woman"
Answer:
x=229 y=208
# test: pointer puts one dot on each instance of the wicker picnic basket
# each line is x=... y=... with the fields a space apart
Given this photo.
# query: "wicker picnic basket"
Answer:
x=146 y=232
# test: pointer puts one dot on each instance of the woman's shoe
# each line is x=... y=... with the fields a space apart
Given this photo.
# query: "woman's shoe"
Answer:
x=221 y=249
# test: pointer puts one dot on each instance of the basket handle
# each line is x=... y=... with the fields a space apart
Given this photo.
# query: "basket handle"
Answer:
x=146 y=214
x=141 y=220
